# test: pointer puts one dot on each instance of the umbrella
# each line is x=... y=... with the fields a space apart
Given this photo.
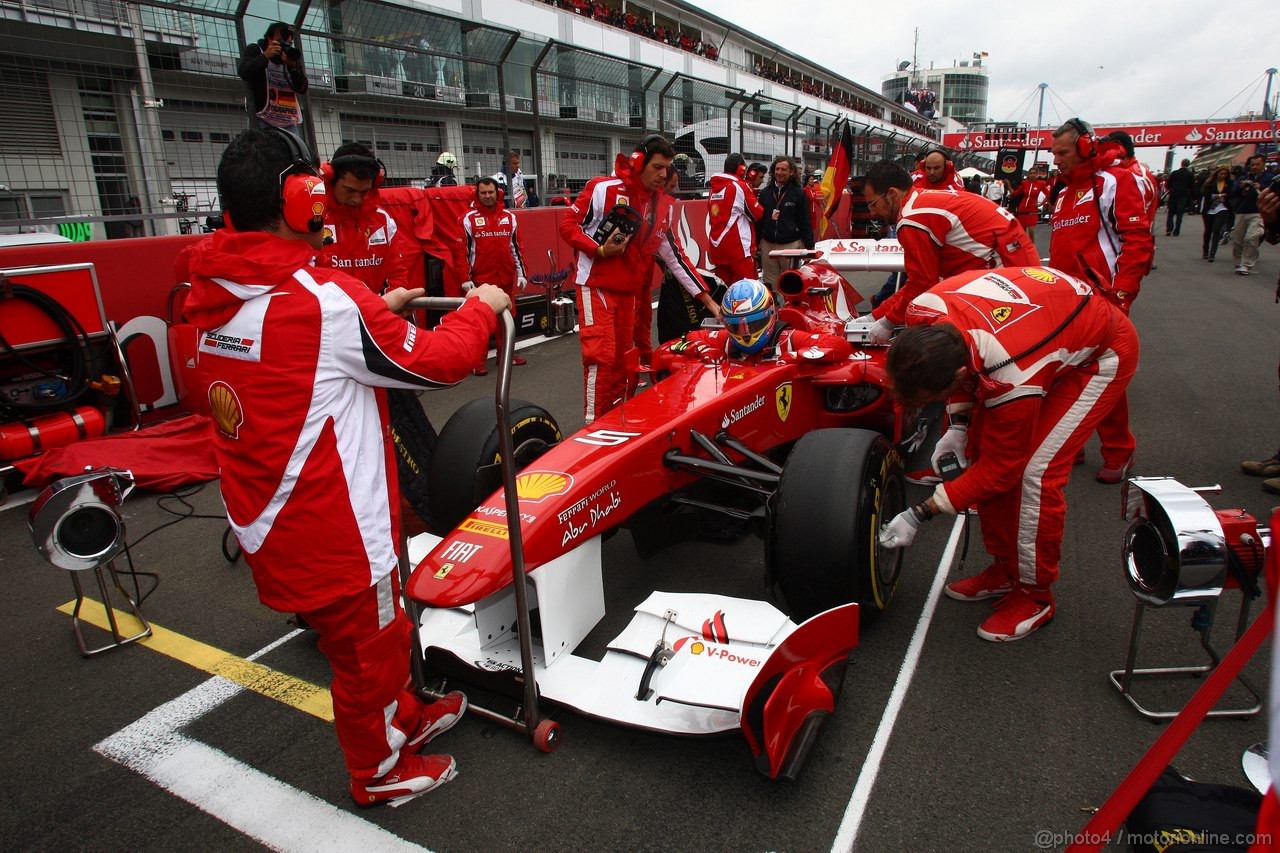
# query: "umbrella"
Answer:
x=972 y=172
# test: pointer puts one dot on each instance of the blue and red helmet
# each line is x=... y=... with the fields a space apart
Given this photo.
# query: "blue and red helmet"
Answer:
x=749 y=315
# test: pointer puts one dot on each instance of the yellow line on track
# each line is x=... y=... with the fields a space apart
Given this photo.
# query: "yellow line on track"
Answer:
x=294 y=692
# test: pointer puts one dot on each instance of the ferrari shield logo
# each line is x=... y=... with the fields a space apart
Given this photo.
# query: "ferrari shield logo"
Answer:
x=782 y=399
x=444 y=571
x=1002 y=313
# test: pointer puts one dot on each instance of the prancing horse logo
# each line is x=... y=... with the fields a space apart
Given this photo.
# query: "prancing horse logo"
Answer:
x=782 y=399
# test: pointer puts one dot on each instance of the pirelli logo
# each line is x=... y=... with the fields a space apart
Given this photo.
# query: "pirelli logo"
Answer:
x=485 y=528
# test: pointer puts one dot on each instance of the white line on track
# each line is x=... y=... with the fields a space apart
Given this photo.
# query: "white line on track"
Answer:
x=248 y=800
x=847 y=834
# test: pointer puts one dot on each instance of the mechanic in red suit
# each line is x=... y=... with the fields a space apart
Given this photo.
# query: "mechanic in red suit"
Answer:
x=613 y=267
x=732 y=213
x=1028 y=200
x=297 y=358
x=935 y=171
x=360 y=237
x=1102 y=233
x=493 y=253
x=942 y=233
x=1036 y=358
x=752 y=332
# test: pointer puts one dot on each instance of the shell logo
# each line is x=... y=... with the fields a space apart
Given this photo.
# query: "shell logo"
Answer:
x=535 y=486
x=317 y=208
x=225 y=406
x=1040 y=275
x=697 y=648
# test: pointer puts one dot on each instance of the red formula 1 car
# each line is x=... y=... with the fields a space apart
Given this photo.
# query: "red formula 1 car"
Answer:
x=803 y=451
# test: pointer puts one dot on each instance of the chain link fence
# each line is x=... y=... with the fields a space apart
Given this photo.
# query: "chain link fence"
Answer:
x=117 y=111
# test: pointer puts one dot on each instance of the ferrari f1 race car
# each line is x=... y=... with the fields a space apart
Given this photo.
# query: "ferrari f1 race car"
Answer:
x=803 y=451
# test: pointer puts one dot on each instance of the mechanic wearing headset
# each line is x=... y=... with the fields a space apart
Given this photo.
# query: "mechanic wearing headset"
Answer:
x=302 y=434
x=617 y=224
x=935 y=171
x=1037 y=358
x=942 y=233
x=360 y=237
x=751 y=332
x=732 y=213
x=492 y=248
x=1101 y=232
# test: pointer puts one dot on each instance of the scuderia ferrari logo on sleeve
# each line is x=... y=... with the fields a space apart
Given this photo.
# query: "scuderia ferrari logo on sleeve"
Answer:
x=782 y=399
x=1002 y=313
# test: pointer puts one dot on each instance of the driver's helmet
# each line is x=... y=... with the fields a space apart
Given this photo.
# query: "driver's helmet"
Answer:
x=749 y=315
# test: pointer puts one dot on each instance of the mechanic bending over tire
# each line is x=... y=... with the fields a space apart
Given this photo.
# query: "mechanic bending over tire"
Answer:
x=1028 y=360
x=301 y=434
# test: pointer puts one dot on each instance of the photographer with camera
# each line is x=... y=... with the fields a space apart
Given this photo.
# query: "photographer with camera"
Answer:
x=1246 y=236
x=617 y=224
x=272 y=67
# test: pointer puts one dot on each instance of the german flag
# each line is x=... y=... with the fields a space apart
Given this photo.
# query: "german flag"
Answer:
x=836 y=176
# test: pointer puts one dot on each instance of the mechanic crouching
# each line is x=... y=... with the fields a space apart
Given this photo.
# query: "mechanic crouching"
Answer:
x=1036 y=358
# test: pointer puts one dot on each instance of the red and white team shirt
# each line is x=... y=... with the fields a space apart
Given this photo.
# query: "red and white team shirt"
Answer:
x=1102 y=225
x=493 y=248
x=1013 y=323
x=295 y=357
x=732 y=212
x=944 y=233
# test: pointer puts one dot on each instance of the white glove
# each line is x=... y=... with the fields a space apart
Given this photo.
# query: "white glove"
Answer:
x=954 y=440
x=900 y=532
x=881 y=331
x=521 y=283
x=467 y=286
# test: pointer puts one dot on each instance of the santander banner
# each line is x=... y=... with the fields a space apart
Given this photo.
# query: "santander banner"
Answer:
x=1202 y=133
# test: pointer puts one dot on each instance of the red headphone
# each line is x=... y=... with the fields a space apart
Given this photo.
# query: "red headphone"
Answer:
x=302 y=191
x=1086 y=147
x=641 y=155
x=329 y=168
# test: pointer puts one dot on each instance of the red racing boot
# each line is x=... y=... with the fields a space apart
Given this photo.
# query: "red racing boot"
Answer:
x=1025 y=609
x=437 y=718
x=992 y=582
x=413 y=776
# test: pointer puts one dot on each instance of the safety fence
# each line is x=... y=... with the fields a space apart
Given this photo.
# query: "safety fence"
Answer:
x=117 y=111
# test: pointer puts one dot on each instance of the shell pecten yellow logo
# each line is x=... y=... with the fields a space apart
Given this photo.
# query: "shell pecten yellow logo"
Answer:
x=1040 y=274
x=534 y=486
x=225 y=406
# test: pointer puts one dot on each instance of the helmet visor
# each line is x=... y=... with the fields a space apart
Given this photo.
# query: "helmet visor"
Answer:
x=747 y=329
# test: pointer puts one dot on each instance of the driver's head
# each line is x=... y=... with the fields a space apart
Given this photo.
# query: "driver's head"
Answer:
x=749 y=315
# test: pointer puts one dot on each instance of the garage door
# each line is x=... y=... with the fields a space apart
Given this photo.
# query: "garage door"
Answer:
x=407 y=149
x=580 y=158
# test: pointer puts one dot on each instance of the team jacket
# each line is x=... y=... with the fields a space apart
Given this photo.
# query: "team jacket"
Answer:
x=365 y=244
x=1029 y=195
x=625 y=273
x=944 y=233
x=1101 y=227
x=1003 y=313
x=493 y=248
x=293 y=354
x=732 y=213
x=950 y=182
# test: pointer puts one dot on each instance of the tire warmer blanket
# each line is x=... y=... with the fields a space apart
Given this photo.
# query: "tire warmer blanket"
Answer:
x=162 y=457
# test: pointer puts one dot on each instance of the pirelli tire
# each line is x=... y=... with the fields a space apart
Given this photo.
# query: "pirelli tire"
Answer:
x=837 y=487
x=464 y=467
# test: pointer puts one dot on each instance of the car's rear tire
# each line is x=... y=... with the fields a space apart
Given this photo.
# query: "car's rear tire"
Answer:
x=837 y=487
x=464 y=466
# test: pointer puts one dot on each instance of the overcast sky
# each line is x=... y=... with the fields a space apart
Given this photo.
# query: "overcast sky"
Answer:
x=1108 y=62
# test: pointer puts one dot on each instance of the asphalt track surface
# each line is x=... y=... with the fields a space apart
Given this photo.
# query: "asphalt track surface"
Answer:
x=996 y=747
